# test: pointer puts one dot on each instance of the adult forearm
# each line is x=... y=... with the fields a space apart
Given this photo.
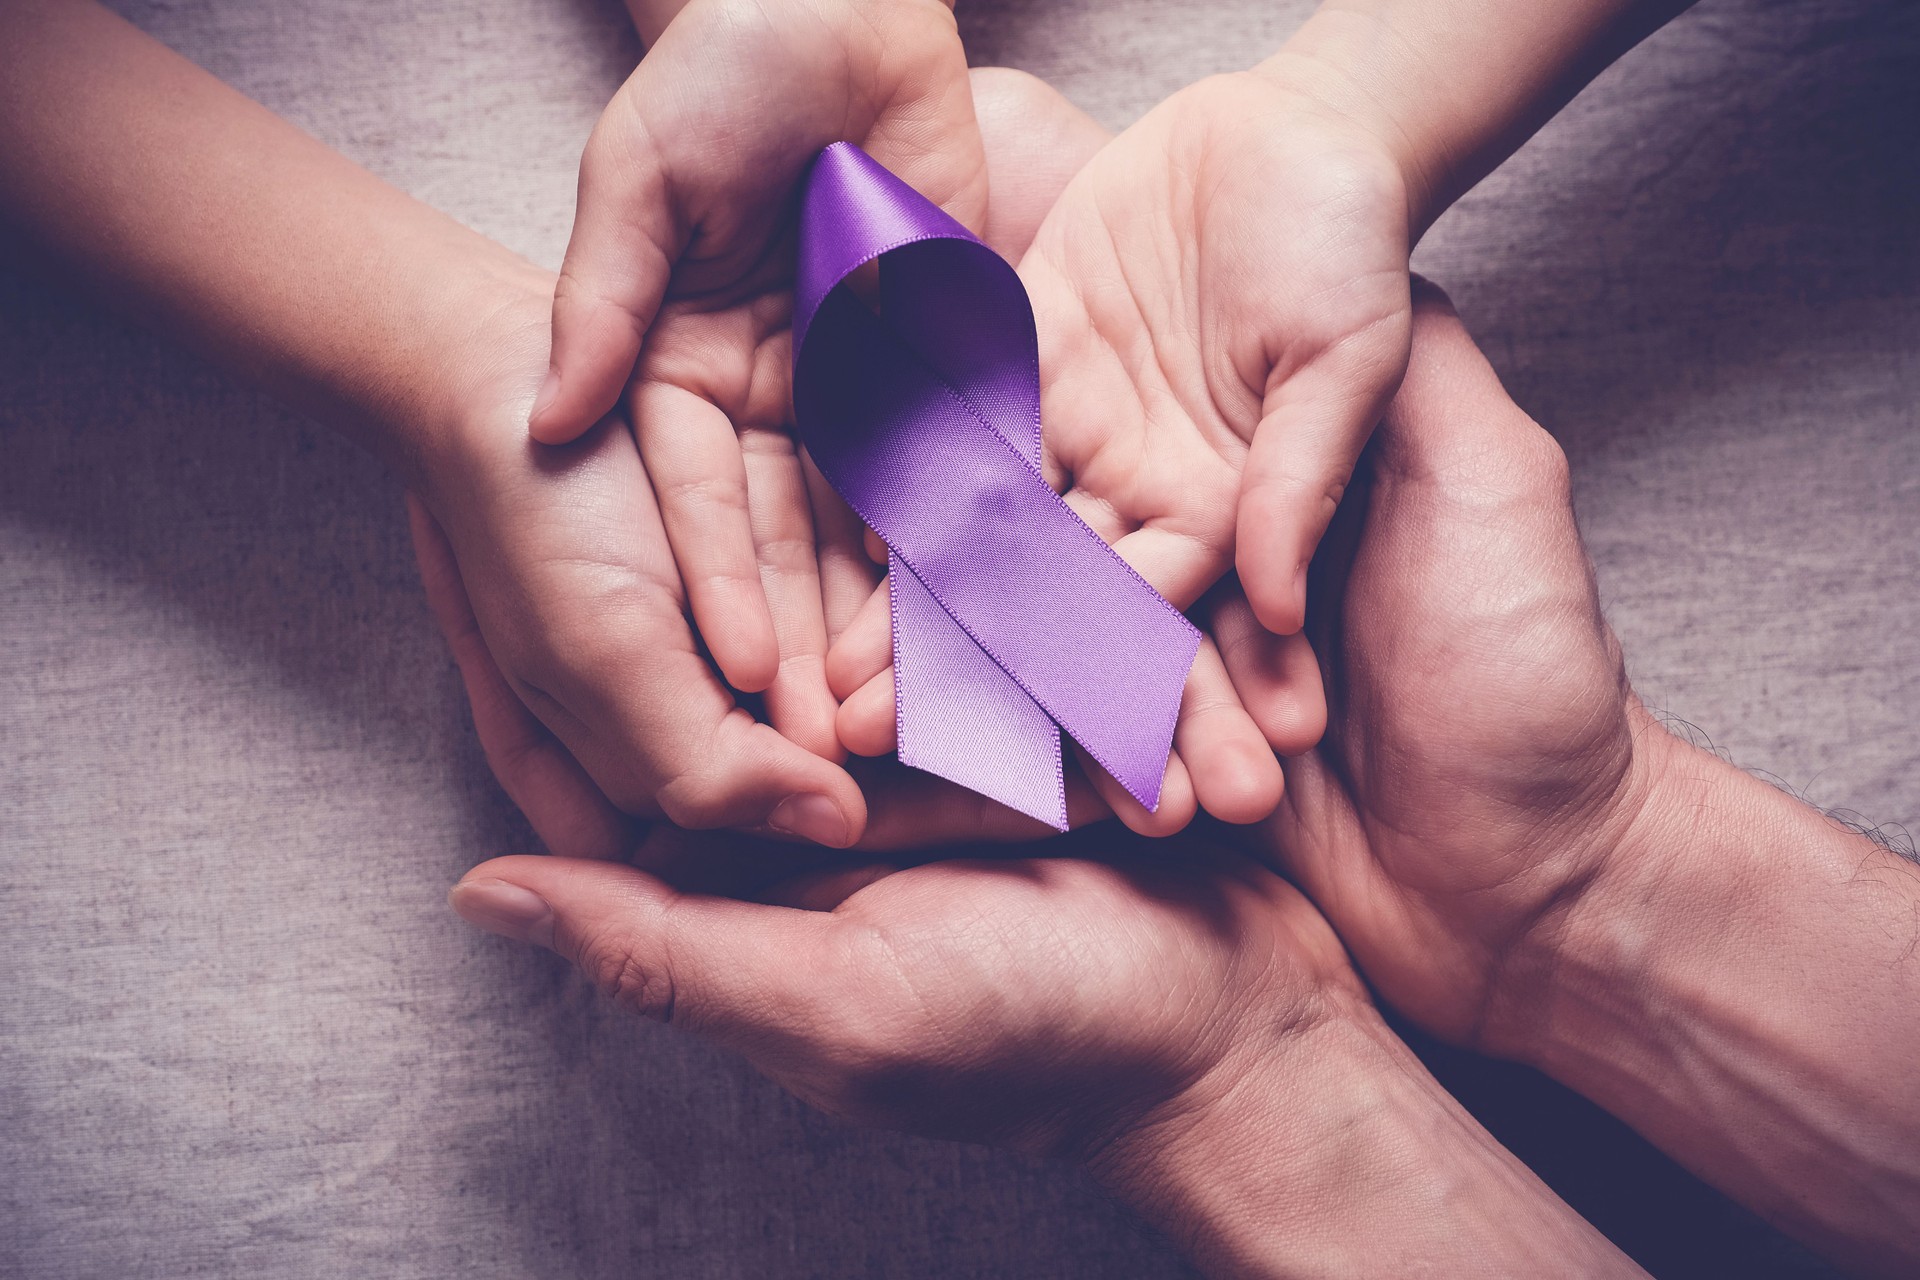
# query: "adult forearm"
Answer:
x=1452 y=87
x=1342 y=1156
x=1742 y=987
x=211 y=217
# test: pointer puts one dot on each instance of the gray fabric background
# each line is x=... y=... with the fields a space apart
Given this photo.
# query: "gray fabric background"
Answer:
x=240 y=1034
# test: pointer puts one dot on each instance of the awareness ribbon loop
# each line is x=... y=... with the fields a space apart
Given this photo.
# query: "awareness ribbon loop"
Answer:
x=1012 y=619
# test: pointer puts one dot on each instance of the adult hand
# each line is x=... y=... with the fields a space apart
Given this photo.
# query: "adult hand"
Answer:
x=683 y=246
x=1484 y=752
x=1519 y=857
x=1187 y=1027
x=933 y=998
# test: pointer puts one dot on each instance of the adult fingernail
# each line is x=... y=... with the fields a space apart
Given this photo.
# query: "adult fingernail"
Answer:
x=505 y=909
x=814 y=818
x=549 y=392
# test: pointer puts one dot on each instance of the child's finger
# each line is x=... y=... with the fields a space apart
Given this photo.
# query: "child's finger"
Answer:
x=566 y=810
x=865 y=648
x=910 y=809
x=624 y=245
x=1277 y=677
x=693 y=458
x=867 y=724
x=1177 y=804
x=798 y=701
x=847 y=576
x=1298 y=466
x=1236 y=776
x=611 y=665
x=1180 y=566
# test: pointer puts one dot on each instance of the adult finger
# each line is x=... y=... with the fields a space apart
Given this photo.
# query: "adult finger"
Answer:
x=1452 y=417
x=745 y=974
x=567 y=811
x=693 y=458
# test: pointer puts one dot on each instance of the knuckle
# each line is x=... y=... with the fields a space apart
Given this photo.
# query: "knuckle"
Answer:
x=697 y=799
x=1017 y=91
x=790 y=557
x=630 y=981
x=726 y=494
x=1300 y=497
x=1548 y=461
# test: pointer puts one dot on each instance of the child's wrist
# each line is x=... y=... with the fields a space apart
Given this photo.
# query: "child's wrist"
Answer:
x=478 y=375
x=1342 y=77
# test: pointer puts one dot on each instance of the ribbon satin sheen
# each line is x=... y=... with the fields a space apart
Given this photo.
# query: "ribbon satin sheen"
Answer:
x=1010 y=615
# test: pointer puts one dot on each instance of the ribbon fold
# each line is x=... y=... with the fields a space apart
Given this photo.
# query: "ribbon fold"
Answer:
x=1012 y=619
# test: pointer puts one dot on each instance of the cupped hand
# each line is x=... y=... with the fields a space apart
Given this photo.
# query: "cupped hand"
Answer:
x=1222 y=303
x=1046 y=1004
x=550 y=574
x=675 y=294
x=1484 y=752
x=549 y=570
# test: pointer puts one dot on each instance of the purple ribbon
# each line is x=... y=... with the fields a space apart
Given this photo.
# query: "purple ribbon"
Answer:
x=1010 y=615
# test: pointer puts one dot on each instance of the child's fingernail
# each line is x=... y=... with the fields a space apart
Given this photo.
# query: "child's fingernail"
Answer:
x=549 y=392
x=814 y=818
x=505 y=909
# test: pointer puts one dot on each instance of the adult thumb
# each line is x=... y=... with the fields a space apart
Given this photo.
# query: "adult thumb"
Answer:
x=737 y=972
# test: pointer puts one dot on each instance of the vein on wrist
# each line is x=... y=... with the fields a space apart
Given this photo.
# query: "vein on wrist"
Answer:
x=1338 y=1154
x=1739 y=987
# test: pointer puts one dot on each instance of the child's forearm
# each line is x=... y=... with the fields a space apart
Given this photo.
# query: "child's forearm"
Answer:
x=650 y=17
x=1452 y=87
x=205 y=213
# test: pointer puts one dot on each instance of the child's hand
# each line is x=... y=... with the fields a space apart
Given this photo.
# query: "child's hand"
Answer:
x=553 y=582
x=683 y=245
x=1224 y=311
x=1223 y=308
x=550 y=572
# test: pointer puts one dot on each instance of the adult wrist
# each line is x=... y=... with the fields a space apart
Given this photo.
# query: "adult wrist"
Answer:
x=1738 y=985
x=1332 y=1152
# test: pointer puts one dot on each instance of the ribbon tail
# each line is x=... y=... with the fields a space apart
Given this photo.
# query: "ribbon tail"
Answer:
x=962 y=717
